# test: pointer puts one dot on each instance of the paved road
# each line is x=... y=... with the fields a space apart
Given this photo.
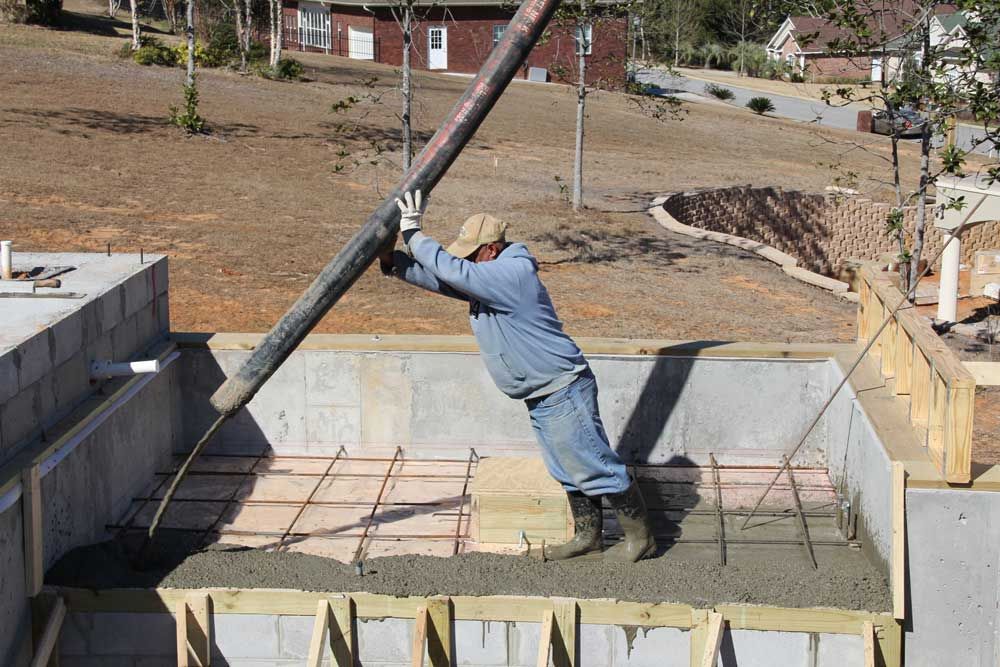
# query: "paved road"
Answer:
x=796 y=108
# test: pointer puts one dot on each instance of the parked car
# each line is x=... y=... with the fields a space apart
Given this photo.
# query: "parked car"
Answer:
x=909 y=123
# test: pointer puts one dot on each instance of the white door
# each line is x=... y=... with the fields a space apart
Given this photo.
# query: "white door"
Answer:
x=360 y=43
x=877 y=70
x=437 y=47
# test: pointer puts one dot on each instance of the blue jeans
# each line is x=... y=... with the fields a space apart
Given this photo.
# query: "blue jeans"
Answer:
x=575 y=447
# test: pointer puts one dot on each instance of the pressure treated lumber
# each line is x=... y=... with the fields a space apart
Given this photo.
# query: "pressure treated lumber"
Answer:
x=545 y=638
x=419 y=637
x=333 y=625
x=45 y=650
x=713 y=640
x=514 y=494
x=898 y=568
x=566 y=615
x=31 y=516
x=868 y=635
x=439 y=627
x=194 y=630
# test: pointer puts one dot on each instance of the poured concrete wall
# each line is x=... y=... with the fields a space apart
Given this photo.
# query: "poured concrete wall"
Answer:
x=953 y=560
x=254 y=640
x=438 y=404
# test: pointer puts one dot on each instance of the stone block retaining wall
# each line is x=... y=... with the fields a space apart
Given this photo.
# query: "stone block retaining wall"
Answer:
x=821 y=230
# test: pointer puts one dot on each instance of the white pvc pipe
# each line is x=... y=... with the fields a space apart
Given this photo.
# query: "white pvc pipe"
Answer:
x=107 y=369
x=6 y=261
x=948 y=289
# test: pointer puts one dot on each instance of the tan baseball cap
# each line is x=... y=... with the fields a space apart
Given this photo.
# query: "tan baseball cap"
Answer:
x=477 y=230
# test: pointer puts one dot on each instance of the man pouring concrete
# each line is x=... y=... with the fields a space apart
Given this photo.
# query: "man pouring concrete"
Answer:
x=530 y=358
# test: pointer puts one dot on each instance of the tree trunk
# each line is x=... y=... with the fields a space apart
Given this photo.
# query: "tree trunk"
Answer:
x=136 y=33
x=113 y=7
x=407 y=86
x=925 y=166
x=242 y=32
x=277 y=32
x=189 y=31
x=677 y=41
x=581 y=99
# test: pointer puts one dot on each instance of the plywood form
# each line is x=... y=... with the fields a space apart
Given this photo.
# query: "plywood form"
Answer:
x=514 y=494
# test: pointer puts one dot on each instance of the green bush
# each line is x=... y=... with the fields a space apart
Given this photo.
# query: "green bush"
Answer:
x=760 y=105
x=719 y=92
x=288 y=69
x=151 y=52
x=181 y=55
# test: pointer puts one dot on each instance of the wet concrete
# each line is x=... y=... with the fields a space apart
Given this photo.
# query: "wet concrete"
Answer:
x=779 y=577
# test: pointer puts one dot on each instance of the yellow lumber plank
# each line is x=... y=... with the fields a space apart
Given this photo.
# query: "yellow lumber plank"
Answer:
x=342 y=631
x=181 y=616
x=31 y=513
x=439 y=631
x=937 y=420
x=920 y=389
x=904 y=362
x=419 y=637
x=713 y=639
x=44 y=652
x=985 y=373
x=868 y=634
x=321 y=629
x=898 y=569
x=545 y=638
x=864 y=303
x=890 y=339
x=834 y=621
x=699 y=636
x=890 y=643
x=958 y=433
x=200 y=630
x=566 y=614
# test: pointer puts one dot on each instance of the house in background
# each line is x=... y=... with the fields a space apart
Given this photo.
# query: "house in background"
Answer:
x=451 y=36
x=803 y=42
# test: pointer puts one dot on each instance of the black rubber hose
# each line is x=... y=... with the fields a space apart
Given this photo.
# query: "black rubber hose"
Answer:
x=432 y=163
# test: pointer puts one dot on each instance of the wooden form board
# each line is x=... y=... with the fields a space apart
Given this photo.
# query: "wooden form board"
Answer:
x=898 y=565
x=333 y=626
x=500 y=608
x=941 y=389
x=31 y=516
x=194 y=630
x=44 y=653
x=511 y=494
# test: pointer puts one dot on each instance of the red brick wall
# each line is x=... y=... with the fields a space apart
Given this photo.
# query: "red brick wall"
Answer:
x=821 y=67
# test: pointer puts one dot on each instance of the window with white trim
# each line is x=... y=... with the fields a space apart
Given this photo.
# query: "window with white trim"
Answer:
x=584 y=39
x=314 y=27
x=498 y=33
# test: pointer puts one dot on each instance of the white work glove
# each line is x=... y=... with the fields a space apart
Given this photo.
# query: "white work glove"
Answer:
x=410 y=212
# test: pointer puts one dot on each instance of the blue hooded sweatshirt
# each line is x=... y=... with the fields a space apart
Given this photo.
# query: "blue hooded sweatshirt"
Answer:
x=520 y=338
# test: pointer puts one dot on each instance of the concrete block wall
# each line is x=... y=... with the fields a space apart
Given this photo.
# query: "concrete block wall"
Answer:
x=438 y=404
x=46 y=348
x=256 y=640
x=821 y=230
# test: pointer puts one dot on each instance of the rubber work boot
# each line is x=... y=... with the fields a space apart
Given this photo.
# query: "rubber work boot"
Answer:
x=638 y=542
x=588 y=536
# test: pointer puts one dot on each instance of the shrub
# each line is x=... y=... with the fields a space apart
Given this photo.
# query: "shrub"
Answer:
x=151 y=51
x=222 y=48
x=760 y=105
x=288 y=69
x=181 y=55
x=719 y=92
x=188 y=120
x=644 y=89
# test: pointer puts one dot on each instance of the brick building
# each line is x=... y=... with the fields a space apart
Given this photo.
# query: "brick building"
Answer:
x=451 y=36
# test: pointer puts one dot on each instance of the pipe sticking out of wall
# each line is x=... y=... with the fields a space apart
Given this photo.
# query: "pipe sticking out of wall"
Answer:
x=6 y=261
x=103 y=369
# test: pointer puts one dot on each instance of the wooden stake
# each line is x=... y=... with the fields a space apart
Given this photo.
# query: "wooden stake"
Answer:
x=31 y=512
x=868 y=634
x=545 y=638
x=47 y=644
x=439 y=631
x=898 y=540
x=564 y=643
x=194 y=631
x=334 y=624
x=713 y=640
x=419 y=637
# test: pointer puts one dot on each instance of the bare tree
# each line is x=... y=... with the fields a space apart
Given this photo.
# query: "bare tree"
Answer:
x=113 y=7
x=170 y=10
x=244 y=29
x=584 y=35
x=136 y=33
x=189 y=33
x=277 y=31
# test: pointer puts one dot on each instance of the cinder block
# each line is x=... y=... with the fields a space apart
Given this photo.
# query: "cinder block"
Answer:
x=333 y=425
x=66 y=337
x=18 y=418
x=332 y=378
x=753 y=648
x=147 y=327
x=163 y=313
x=121 y=634
x=71 y=381
x=138 y=291
x=124 y=339
x=34 y=359
x=100 y=661
x=246 y=636
x=595 y=645
x=837 y=650
x=91 y=323
x=112 y=308
x=294 y=635
x=650 y=647
x=160 y=276
x=523 y=644
x=385 y=640
x=480 y=643
x=8 y=375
